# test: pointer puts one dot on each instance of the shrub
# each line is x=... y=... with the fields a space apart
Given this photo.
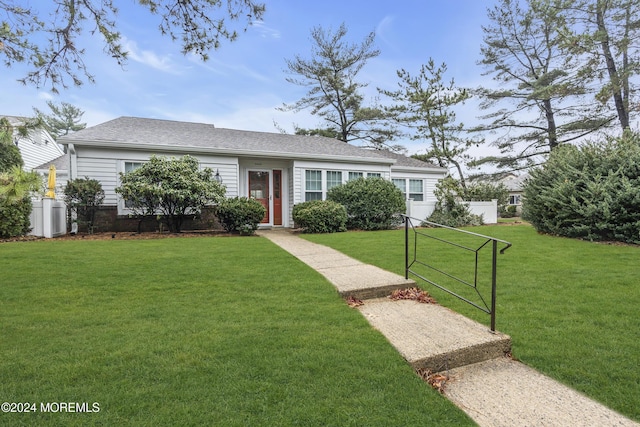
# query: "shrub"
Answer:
x=591 y=192
x=83 y=196
x=172 y=187
x=320 y=216
x=450 y=210
x=14 y=217
x=509 y=211
x=486 y=191
x=16 y=187
x=371 y=203
x=240 y=214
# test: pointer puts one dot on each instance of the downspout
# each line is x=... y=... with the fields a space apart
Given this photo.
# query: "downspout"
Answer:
x=73 y=162
x=73 y=174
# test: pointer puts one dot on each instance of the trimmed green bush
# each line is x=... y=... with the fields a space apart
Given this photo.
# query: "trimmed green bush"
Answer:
x=84 y=196
x=372 y=203
x=591 y=192
x=14 y=217
x=510 y=211
x=320 y=216
x=240 y=214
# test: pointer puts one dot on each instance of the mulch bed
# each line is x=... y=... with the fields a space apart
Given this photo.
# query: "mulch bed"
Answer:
x=127 y=235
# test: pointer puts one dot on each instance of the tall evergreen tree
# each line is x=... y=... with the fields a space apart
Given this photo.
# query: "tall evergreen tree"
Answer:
x=334 y=93
x=546 y=102
x=424 y=104
x=64 y=118
x=606 y=34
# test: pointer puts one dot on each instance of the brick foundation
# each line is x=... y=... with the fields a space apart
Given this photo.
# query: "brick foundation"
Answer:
x=108 y=220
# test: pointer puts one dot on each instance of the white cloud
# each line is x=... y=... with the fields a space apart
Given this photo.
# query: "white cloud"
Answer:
x=227 y=69
x=265 y=31
x=150 y=58
x=383 y=28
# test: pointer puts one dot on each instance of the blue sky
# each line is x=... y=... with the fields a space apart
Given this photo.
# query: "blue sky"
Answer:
x=244 y=82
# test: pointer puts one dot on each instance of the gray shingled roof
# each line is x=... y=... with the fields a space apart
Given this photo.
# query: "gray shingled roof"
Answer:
x=61 y=163
x=199 y=137
x=165 y=134
x=405 y=161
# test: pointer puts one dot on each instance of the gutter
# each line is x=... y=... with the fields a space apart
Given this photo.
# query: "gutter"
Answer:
x=228 y=152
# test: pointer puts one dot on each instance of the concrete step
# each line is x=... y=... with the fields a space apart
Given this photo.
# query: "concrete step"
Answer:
x=504 y=393
x=433 y=337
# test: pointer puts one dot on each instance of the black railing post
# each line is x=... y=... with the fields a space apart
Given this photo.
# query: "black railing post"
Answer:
x=406 y=247
x=494 y=269
x=416 y=260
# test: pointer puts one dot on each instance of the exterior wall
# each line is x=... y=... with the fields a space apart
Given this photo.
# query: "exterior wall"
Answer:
x=420 y=209
x=38 y=148
x=300 y=166
x=105 y=165
x=261 y=164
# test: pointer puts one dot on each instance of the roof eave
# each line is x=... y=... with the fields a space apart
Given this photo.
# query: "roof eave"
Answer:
x=436 y=169
x=226 y=151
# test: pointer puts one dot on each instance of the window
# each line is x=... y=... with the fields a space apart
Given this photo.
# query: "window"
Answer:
x=130 y=167
x=402 y=185
x=355 y=175
x=313 y=185
x=514 y=199
x=416 y=191
x=334 y=178
x=374 y=174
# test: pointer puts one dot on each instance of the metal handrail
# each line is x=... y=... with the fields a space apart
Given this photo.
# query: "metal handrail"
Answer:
x=408 y=221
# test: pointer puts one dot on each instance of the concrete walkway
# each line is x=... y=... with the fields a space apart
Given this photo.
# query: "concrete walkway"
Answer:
x=491 y=388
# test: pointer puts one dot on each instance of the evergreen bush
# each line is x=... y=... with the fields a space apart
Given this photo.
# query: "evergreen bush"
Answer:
x=320 y=216
x=240 y=214
x=14 y=217
x=372 y=203
x=84 y=196
x=591 y=192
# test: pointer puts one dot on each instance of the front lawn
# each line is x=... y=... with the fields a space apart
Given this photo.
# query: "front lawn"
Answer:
x=571 y=307
x=199 y=331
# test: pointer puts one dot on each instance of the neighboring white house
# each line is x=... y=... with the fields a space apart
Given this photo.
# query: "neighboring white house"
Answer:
x=514 y=184
x=37 y=148
x=277 y=169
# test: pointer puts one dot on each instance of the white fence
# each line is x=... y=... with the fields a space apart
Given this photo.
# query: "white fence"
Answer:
x=48 y=218
x=488 y=210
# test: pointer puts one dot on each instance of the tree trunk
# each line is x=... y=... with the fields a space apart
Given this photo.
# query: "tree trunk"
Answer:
x=551 y=125
x=614 y=76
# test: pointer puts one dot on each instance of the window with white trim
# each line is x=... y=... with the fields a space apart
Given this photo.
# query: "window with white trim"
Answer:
x=130 y=167
x=312 y=185
x=402 y=185
x=355 y=175
x=334 y=178
x=374 y=175
x=416 y=190
x=514 y=199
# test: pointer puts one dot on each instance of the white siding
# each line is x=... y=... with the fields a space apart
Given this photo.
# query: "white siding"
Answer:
x=37 y=149
x=104 y=165
x=420 y=209
x=301 y=166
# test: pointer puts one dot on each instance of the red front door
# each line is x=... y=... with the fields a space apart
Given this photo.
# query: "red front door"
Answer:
x=277 y=197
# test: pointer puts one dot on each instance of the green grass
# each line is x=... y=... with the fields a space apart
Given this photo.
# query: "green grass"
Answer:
x=571 y=307
x=200 y=331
